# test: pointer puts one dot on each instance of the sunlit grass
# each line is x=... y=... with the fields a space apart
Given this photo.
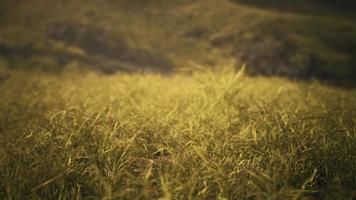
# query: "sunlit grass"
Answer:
x=210 y=135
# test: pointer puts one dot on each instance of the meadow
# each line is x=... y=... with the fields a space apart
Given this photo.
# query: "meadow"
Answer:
x=205 y=135
x=138 y=99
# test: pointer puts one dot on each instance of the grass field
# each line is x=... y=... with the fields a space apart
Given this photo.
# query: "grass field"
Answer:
x=209 y=135
x=137 y=99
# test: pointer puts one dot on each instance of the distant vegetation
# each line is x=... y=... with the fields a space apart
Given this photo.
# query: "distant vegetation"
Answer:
x=305 y=5
x=165 y=36
x=149 y=99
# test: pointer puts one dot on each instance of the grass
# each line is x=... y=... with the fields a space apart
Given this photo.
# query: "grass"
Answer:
x=212 y=134
x=166 y=35
x=209 y=135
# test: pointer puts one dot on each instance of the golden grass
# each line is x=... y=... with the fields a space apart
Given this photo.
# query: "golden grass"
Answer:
x=211 y=135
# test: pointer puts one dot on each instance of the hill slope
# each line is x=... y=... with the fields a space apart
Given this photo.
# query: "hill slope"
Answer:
x=167 y=35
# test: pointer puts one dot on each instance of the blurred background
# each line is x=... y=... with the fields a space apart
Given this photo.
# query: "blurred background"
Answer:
x=300 y=39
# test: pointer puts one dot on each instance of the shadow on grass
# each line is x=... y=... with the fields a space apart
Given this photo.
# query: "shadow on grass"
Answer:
x=87 y=45
x=314 y=7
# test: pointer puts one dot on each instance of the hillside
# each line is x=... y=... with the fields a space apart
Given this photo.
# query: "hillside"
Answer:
x=178 y=99
x=168 y=36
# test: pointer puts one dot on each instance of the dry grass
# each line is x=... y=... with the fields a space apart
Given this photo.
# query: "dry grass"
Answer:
x=212 y=135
